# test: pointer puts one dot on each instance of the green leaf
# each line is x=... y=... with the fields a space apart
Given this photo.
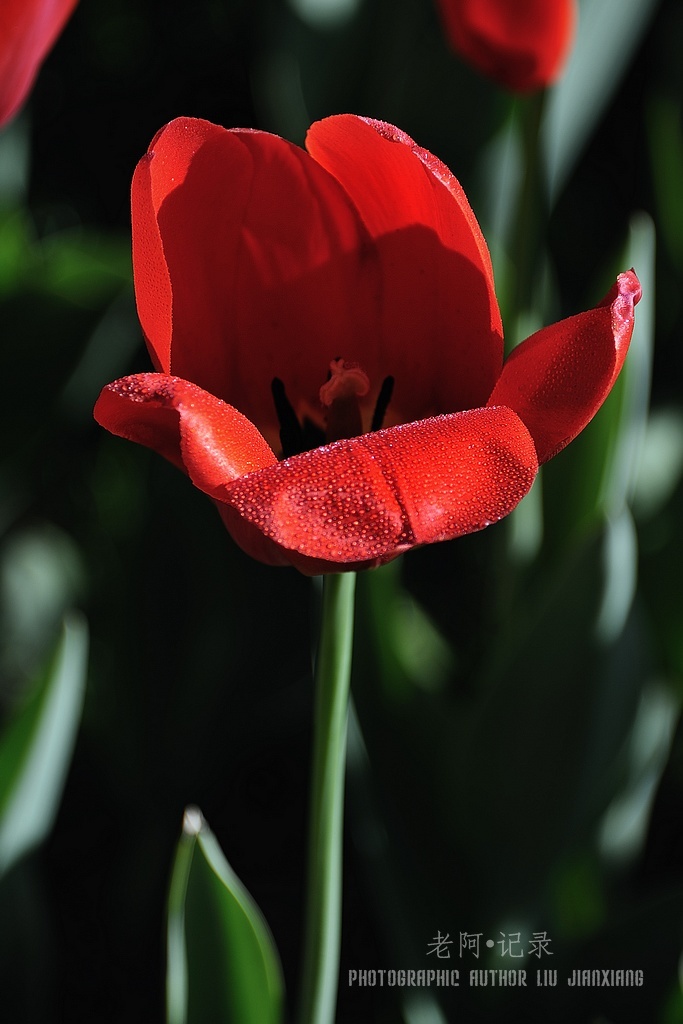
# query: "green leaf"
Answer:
x=223 y=966
x=36 y=748
x=608 y=33
x=82 y=267
x=14 y=160
x=666 y=161
x=412 y=651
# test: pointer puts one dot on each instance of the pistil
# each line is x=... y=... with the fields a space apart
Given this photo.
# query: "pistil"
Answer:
x=340 y=399
x=340 y=396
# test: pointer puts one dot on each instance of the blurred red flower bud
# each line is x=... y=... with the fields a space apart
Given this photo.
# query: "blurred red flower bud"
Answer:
x=28 y=31
x=521 y=44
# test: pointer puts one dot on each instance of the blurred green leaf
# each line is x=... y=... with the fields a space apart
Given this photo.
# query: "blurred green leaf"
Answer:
x=36 y=748
x=596 y=476
x=15 y=254
x=14 y=160
x=673 y=1011
x=413 y=652
x=223 y=967
x=85 y=267
x=325 y=14
x=106 y=356
x=80 y=266
x=557 y=707
x=620 y=564
x=608 y=33
x=42 y=575
x=661 y=465
x=624 y=825
x=523 y=755
x=666 y=159
x=576 y=887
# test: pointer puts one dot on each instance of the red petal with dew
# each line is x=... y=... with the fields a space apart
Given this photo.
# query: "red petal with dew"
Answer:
x=440 y=331
x=211 y=441
x=361 y=502
x=558 y=378
x=250 y=263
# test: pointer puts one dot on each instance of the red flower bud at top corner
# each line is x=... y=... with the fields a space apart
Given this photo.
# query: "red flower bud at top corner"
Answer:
x=329 y=348
x=521 y=44
x=28 y=31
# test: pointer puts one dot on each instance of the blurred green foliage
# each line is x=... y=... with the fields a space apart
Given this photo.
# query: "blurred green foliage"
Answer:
x=517 y=759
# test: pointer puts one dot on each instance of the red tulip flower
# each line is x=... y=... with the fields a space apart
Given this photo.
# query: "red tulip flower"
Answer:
x=342 y=300
x=521 y=44
x=28 y=31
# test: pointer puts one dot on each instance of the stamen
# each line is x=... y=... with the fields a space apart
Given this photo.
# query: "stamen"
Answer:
x=313 y=436
x=346 y=384
x=291 y=434
x=295 y=437
x=340 y=396
x=383 y=399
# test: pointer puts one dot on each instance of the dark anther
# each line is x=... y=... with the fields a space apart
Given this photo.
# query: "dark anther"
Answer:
x=383 y=399
x=294 y=437
x=291 y=435
x=313 y=436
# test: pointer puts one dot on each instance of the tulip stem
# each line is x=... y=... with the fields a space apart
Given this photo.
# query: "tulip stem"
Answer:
x=322 y=940
x=532 y=207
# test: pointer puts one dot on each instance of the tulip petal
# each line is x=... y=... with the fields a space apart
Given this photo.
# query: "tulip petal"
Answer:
x=558 y=378
x=441 y=325
x=521 y=44
x=250 y=264
x=28 y=31
x=361 y=502
x=212 y=442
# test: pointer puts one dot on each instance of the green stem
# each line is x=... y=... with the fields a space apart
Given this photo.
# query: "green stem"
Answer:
x=532 y=208
x=324 y=884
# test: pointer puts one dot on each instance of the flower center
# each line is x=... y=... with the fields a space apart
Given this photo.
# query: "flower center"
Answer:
x=340 y=397
x=346 y=384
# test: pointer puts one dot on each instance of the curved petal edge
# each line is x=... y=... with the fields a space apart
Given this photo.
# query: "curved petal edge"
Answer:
x=558 y=378
x=209 y=440
x=361 y=502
